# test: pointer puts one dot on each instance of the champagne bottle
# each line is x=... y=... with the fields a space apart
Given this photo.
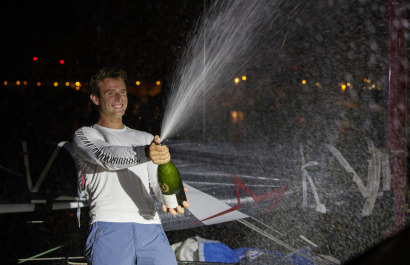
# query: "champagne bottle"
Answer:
x=171 y=185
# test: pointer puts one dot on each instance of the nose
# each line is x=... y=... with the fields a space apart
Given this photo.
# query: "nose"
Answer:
x=117 y=96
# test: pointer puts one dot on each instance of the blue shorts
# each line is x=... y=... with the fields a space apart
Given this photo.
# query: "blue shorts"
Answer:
x=128 y=244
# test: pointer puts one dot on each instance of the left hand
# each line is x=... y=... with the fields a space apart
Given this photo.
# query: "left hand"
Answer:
x=179 y=209
x=159 y=153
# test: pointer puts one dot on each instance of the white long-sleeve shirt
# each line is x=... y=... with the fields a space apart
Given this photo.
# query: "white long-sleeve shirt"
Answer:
x=118 y=174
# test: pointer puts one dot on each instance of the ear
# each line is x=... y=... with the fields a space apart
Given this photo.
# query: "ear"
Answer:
x=95 y=99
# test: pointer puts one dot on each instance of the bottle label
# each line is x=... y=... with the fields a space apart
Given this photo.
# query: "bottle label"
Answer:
x=164 y=187
x=170 y=200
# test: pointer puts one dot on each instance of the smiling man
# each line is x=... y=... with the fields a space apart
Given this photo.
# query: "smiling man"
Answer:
x=119 y=165
x=111 y=97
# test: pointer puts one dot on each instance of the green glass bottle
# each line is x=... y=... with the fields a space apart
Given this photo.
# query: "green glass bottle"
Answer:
x=171 y=185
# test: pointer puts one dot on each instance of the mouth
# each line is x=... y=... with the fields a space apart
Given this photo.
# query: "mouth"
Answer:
x=118 y=106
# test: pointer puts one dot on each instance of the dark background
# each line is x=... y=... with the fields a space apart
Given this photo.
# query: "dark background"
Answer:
x=327 y=40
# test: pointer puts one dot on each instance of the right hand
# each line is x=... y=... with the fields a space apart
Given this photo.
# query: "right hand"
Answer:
x=159 y=153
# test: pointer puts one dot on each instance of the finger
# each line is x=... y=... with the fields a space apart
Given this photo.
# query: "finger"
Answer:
x=164 y=208
x=186 y=204
x=157 y=139
x=180 y=209
x=185 y=189
x=172 y=211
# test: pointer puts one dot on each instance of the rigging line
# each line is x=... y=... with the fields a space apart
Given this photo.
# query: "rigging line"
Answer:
x=27 y=166
x=38 y=255
x=267 y=226
x=55 y=258
x=280 y=242
x=204 y=79
x=286 y=34
x=260 y=231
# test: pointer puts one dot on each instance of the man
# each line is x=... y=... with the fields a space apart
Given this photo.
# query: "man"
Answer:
x=119 y=164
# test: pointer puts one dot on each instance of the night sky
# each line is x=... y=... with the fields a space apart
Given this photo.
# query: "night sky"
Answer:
x=143 y=37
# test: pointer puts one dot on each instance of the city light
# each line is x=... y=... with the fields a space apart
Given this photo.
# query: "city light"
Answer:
x=236 y=81
x=25 y=83
x=234 y=115
x=304 y=82
x=38 y=83
x=244 y=77
x=5 y=83
x=61 y=61
x=18 y=83
x=77 y=84
x=55 y=84
x=237 y=116
x=67 y=83
x=138 y=83
x=343 y=87
x=158 y=83
x=35 y=58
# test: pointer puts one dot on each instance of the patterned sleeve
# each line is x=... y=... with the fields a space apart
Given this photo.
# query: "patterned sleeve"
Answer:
x=90 y=146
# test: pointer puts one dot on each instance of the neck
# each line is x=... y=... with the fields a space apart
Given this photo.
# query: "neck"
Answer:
x=112 y=124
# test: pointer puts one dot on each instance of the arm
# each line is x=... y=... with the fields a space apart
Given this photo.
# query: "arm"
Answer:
x=90 y=146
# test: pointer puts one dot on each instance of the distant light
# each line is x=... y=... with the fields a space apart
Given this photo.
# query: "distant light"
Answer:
x=78 y=84
x=304 y=82
x=237 y=116
x=25 y=83
x=38 y=83
x=236 y=80
x=35 y=58
x=365 y=80
x=61 y=61
x=234 y=115
x=244 y=77
x=77 y=88
x=5 y=83
x=55 y=84
x=67 y=83
x=343 y=87
x=158 y=83
x=348 y=84
x=138 y=83
x=18 y=83
x=296 y=68
x=373 y=86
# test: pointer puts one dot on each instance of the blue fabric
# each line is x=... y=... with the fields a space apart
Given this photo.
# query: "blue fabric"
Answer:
x=218 y=252
x=299 y=260
x=125 y=243
x=254 y=253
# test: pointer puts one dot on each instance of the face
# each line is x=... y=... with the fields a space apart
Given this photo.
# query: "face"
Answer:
x=113 y=99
